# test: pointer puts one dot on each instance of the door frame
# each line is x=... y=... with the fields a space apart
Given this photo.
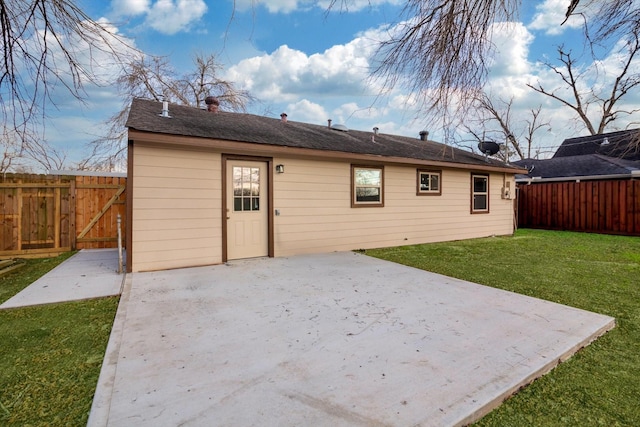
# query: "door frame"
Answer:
x=269 y=162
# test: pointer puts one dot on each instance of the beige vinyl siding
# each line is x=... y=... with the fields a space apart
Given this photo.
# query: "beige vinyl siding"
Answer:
x=176 y=219
x=313 y=199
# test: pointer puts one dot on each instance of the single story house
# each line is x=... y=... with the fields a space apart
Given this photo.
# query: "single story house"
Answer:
x=206 y=187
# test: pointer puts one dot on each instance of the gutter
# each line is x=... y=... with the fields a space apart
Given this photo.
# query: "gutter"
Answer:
x=634 y=174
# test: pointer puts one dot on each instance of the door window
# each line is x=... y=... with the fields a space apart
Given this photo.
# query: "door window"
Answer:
x=246 y=189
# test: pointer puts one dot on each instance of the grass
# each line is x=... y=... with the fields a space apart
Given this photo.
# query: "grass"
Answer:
x=600 y=384
x=51 y=355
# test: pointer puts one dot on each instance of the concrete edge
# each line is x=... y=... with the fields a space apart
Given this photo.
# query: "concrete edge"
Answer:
x=543 y=370
x=101 y=404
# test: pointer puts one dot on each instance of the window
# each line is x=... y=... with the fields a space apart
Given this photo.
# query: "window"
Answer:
x=479 y=193
x=246 y=189
x=429 y=183
x=366 y=186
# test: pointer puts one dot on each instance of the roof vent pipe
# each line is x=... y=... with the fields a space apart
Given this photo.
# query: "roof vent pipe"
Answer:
x=375 y=130
x=165 y=109
x=424 y=135
x=283 y=117
x=329 y=123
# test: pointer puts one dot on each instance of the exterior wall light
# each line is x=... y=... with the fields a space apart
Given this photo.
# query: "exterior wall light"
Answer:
x=279 y=168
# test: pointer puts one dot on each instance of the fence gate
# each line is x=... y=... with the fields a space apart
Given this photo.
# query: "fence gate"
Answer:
x=35 y=214
x=98 y=201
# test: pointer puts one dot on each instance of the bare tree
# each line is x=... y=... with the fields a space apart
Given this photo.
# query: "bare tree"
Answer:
x=11 y=149
x=583 y=97
x=154 y=77
x=25 y=151
x=496 y=121
x=46 y=43
x=440 y=48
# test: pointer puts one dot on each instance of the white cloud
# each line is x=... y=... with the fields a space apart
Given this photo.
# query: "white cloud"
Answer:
x=306 y=111
x=512 y=41
x=288 y=6
x=286 y=74
x=164 y=16
x=550 y=14
x=130 y=7
x=170 y=17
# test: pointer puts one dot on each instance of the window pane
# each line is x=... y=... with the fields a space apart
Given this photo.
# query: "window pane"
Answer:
x=368 y=176
x=237 y=174
x=435 y=182
x=479 y=202
x=255 y=203
x=246 y=189
x=367 y=194
x=246 y=204
x=237 y=204
x=424 y=182
x=255 y=189
x=479 y=184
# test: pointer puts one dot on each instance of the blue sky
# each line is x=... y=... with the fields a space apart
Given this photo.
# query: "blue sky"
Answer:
x=296 y=58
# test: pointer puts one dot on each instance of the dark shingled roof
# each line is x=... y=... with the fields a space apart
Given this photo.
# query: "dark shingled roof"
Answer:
x=622 y=144
x=577 y=166
x=145 y=116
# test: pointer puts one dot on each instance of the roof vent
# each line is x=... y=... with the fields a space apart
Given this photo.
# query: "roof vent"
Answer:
x=605 y=141
x=329 y=123
x=341 y=128
x=424 y=135
x=165 y=110
x=283 y=117
x=375 y=130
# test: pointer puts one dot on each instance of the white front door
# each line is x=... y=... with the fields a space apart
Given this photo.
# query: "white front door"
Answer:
x=247 y=210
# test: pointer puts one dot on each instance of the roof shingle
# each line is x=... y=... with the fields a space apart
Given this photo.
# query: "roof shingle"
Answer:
x=145 y=116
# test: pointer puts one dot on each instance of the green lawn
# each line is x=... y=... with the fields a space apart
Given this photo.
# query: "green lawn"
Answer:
x=50 y=355
x=600 y=385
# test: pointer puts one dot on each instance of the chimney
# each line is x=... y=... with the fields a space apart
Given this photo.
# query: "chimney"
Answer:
x=283 y=117
x=329 y=123
x=424 y=135
x=212 y=104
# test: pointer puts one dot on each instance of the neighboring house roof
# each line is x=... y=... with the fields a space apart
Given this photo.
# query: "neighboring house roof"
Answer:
x=603 y=156
x=145 y=116
x=585 y=166
x=622 y=144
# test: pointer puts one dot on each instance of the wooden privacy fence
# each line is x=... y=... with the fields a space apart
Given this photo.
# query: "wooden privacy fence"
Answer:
x=609 y=207
x=46 y=214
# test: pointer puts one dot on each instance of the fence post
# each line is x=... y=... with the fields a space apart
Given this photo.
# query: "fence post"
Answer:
x=119 y=245
x=72 y=214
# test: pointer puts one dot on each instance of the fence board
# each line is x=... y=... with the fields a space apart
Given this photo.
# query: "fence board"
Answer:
x=41 y=214
x=607 y=206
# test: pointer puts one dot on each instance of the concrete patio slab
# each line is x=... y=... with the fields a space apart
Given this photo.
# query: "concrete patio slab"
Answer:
x=338 y=339
x=90 y=273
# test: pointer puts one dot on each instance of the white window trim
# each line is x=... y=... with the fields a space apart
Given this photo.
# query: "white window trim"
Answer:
x=430 y=172
x=474 y=193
